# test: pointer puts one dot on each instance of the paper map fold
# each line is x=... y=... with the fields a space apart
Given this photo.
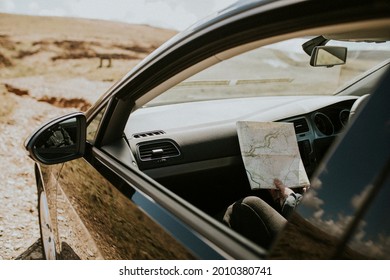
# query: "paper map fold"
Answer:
x=270 y=151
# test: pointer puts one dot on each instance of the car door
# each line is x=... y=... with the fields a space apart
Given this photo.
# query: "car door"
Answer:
x=98 y=216
x=97 y=220
x=105 y=210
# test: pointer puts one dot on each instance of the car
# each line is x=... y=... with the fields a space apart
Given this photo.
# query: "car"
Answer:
x=150 y=169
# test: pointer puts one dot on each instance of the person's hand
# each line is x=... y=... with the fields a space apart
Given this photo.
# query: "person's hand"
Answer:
x=281 y=192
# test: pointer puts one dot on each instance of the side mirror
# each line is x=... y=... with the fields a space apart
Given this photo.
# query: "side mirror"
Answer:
x=328 y=56
x=59 y=140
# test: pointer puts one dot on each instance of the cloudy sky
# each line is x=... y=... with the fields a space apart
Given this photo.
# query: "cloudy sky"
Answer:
x=174 y=14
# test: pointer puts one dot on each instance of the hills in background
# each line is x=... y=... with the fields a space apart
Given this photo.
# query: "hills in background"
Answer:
x=70 y=56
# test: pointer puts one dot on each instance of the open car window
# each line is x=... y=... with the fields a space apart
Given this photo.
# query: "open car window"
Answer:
x=190 y=147
x=274 y=70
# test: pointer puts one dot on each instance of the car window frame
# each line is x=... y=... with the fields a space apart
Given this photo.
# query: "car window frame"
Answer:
x=96 y=120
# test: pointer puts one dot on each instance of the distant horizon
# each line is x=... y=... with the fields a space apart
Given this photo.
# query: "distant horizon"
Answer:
x=92 y=19
x=170 y=14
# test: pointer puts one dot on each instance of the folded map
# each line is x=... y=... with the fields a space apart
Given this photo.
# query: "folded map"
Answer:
x=270 y=151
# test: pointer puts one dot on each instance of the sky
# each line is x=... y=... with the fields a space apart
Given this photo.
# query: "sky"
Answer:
x=172 y=14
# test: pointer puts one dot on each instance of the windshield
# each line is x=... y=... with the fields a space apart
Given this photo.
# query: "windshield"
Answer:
x=274 y=70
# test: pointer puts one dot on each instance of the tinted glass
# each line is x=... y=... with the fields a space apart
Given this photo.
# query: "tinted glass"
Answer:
x=372 y=237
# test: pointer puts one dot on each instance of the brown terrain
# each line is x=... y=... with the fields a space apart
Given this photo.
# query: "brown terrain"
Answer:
x=50 y=66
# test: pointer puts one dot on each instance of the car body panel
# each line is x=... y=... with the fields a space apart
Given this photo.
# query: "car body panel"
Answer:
x=98 y=221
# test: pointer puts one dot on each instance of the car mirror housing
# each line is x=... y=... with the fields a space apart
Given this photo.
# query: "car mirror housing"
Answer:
x=60 y=140
x=328 y=56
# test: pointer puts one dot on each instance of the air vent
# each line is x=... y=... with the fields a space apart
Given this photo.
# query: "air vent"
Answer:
x=149 y=133
x=157 y=150
x=300 y=126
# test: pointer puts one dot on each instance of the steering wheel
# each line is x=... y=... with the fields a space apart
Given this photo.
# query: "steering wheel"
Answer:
x=358 y=105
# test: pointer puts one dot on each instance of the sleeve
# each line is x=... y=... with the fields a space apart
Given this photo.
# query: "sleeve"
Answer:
x=290 y=203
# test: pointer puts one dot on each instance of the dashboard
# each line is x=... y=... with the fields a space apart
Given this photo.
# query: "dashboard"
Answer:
x=193 y=149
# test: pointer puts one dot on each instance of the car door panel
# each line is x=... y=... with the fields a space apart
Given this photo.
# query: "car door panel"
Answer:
x=202 y=234
x=99 y=221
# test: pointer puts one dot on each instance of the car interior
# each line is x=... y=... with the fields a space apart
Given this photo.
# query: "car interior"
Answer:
x=184 y=135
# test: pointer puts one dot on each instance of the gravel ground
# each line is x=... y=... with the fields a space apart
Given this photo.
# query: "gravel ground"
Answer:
x=18 y=200
x=20 y=114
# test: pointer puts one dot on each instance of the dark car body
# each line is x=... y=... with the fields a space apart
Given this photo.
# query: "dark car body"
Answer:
x=103 y=198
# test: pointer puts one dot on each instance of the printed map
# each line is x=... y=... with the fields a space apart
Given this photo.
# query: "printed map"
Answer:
x=270 y=151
